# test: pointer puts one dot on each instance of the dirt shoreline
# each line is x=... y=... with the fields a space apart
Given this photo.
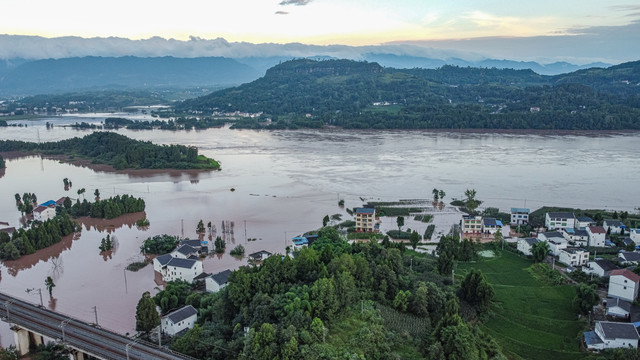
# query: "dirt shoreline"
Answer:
x=86 y=163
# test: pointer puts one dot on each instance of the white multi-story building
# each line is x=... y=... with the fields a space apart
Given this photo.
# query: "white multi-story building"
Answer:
x=624 y=284
x=471 y=226
x=597 y=235
x=524 y=245
x=44 y=213
x=216 y=282
x=615 y=226
x=573 y=256
x=181 y=269
x=519 y=216
x=559 y=220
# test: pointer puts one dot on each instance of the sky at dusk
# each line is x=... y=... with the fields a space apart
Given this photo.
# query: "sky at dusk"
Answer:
x=322 y=22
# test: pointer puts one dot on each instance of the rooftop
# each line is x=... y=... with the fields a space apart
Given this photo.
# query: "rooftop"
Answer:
x=181 y=263
x=222 y=277
x=606 y=265
x=186 y=250
x=618 y=330
x=489 y=222
x=561 y=215
x=626 y=273
x=531 y=241
x=193 y=243
x=616 y=223
x=164 y=259
x=181 y=314
x=624 y=305
x=365 y=211
x=630 y=256
x=49 y=203
x=573 y=250
x=40 y=209
x=597 y=229
x=520 y=210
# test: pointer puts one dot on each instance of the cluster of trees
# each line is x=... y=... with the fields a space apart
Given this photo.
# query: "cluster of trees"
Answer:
x=41 y=235
x=2 y=164
x=450 y=249
x=108 y=208
x=342 y=93
x=120 y=152
x=292 y=305
x=26 y=202
x=88 y=101
x=219 y=244
x=106 y=244
x=159 y=244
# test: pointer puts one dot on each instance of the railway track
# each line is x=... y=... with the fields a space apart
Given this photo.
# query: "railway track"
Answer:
x=77 y=334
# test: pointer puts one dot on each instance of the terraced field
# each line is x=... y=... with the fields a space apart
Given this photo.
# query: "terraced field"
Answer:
x=531 y=320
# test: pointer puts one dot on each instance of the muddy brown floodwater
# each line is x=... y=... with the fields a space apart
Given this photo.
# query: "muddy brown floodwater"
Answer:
x=285 y=183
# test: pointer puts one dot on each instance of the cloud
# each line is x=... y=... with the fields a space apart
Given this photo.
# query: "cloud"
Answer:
x=295 y=2
x=282 y=13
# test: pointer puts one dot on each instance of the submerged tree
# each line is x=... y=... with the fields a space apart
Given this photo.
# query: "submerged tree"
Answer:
x=48 y=283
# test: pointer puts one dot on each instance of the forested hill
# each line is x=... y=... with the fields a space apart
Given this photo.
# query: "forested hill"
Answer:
x=350 y=94
x=119 y=151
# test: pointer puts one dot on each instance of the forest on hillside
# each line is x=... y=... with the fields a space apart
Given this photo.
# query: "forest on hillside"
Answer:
x=349 y=94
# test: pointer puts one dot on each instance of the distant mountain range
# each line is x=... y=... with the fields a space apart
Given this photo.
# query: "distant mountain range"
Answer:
x=20 y=77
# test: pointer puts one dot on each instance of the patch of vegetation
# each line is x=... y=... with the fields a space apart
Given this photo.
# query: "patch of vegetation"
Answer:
x=160 y=244
x=425 y=218
x=135 y=266
x=109 y=208
x=237 y=251
x=398 y=234
x=428 y=232
x=530 y=318
x=142 y=222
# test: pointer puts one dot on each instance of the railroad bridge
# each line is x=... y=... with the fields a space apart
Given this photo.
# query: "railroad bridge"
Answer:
x=32 y=323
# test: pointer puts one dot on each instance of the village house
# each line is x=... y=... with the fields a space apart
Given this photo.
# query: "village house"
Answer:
x=300 y=242
x=613 y=226
x=629 y=258
x=611 y=335
x=217 y=282
x=597 y=236
x=599 y=267
x=185 y=252
x=194 y=243
x=260 y=255
x=471 y=226
x=44 y=213
x=573 y=256
x=555 y=240
x=179 y=320
x=524 y=245
x=634 y=234
x=365 y=219
x=583 y=221
x=579 y=237
x=624 y=284
x=491 y=226
x=519 y=216
x=618 y=307
x=559 y=220
x=181 y=269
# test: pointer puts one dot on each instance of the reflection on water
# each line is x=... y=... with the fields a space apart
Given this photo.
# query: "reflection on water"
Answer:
x=285 y=183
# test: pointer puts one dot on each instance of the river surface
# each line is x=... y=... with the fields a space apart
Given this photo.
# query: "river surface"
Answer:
x=285 y=182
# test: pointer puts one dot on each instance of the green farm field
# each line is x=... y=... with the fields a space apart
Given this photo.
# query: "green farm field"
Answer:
x=530 y=319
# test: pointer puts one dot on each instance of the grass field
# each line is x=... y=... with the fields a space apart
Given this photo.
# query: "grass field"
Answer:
x=530 y=320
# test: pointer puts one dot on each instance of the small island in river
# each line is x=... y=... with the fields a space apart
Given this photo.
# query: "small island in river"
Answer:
x=119 y=151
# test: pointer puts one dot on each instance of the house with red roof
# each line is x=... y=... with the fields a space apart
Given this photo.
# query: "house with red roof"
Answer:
x=624 y=284
x=597 y=235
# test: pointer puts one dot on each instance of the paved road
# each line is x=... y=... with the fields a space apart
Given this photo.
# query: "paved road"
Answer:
x=90 y=339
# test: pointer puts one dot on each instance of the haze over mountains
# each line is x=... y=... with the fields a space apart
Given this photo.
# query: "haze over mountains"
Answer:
x=34 y=65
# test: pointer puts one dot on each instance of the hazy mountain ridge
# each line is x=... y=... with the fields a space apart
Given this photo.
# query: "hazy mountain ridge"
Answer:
x=98 y=73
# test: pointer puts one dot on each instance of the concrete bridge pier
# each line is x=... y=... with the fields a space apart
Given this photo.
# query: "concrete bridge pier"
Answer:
x=24 y=339
x=76 y=355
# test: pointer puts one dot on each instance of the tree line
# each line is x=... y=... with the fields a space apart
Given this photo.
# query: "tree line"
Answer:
x=40 y=236
x=108 y=208
x=120 y=152
x=289 y=308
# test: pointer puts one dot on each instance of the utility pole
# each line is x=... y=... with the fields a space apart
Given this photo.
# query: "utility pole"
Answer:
x=126 y=289
x=95 y=311
x=452 y=276
x=62 y=324
x=245 y=231
x=182 y=227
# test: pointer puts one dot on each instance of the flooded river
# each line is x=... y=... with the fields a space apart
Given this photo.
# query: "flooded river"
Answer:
x=285 y=182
